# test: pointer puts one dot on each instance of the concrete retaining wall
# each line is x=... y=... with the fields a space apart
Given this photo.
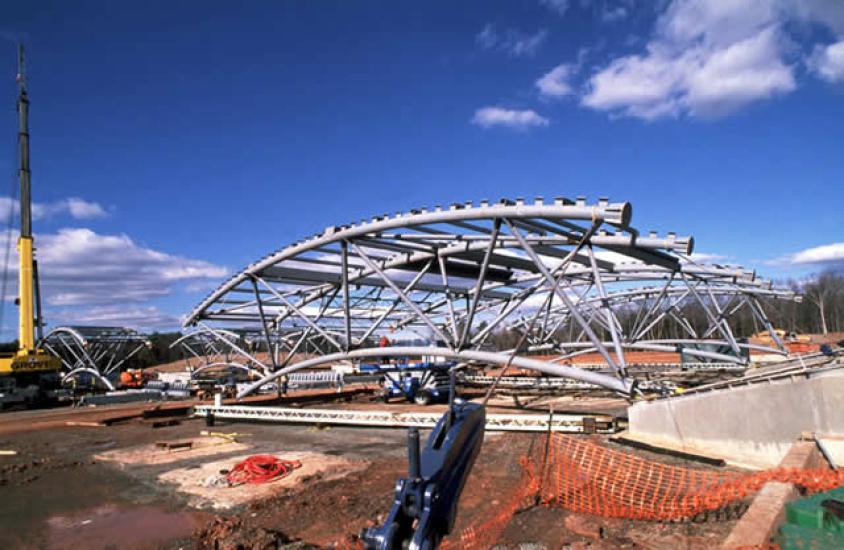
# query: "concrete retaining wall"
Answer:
x=751 y=425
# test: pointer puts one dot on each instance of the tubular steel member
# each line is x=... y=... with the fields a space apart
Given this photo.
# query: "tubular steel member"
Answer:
x=598 y=379
x=671 y=317
x=465 y=275
x=205 y=349
x=99 y=352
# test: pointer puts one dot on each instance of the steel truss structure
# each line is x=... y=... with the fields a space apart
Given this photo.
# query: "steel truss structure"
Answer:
x=566 y=277
x=565 y=423
x=660 y=318
x=207 y=350
x=98 y=352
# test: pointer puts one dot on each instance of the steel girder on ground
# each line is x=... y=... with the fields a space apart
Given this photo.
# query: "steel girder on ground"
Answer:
x=463 y=274
x=565 y=423
x=95 y=351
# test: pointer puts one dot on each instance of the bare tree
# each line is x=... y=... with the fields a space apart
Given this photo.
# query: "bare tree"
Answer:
x=825 y=292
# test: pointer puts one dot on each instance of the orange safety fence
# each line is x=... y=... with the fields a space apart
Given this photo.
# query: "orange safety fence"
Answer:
x=582 y=476
x=484 y=534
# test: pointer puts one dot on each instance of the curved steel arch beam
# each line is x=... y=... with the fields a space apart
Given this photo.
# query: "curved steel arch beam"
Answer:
x=70 y=331
x=102 y=379
x=622 y=273
x=624 y=386
x=617 y=214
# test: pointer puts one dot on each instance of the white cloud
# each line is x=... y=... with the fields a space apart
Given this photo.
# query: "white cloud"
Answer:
x=511 y=41
x=557 y=81
x=828 y=254
x=746 y=71
x=707 y=58
x=558 y=6
x=488 y=117
x=828 y=62
x=143 y=318
x=613 y=15
x=83 y=210
x=79 y=267
x=76 y=208
x=487 y=38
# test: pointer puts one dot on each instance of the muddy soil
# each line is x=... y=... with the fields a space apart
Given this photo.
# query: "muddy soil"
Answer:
x=54 y=494
x=331 y=514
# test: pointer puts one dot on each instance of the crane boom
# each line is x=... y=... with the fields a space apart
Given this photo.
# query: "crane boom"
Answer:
x=28 y=358
x=26 y=313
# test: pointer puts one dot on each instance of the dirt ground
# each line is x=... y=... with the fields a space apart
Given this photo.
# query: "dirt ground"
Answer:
x=111 y=487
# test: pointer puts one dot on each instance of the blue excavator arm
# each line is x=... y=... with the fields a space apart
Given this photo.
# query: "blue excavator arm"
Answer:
x=425 y=505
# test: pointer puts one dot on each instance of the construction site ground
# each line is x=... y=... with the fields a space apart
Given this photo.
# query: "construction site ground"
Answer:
x=77 y=483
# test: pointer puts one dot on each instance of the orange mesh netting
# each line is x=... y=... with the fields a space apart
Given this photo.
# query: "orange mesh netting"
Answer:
x=484 y=534
x=582 y=476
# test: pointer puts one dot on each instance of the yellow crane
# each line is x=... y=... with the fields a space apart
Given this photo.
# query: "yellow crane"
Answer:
x=28 y=367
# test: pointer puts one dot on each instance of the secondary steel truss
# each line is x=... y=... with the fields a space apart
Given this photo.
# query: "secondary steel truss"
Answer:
x=565 y=423
x=463 y=275
x=207 y=350
x=688 y=312
x=98 y=352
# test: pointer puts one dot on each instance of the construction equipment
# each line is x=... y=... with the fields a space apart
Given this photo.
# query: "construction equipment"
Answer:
x=425 y=505
x=423 y=383
x=28 y=374
x=134 y=378
x=814 y=522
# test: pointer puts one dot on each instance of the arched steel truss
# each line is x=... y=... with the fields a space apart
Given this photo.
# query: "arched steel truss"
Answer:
x=206 y=346
x=660 y=318
x=95 y=351
x=463 y=274
x=207 y=349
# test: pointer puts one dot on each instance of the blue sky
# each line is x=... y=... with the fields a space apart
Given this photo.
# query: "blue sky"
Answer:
x=175 y=142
